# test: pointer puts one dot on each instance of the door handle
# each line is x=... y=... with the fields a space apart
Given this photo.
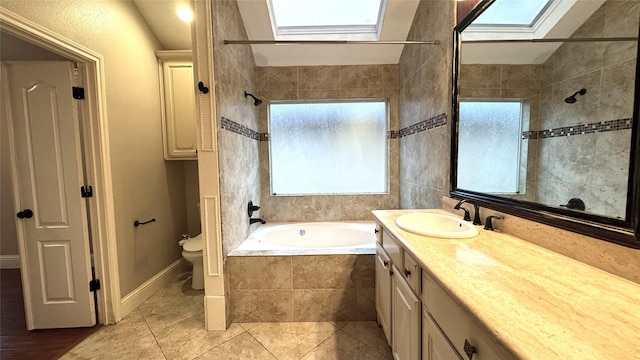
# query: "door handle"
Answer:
x=25 y=214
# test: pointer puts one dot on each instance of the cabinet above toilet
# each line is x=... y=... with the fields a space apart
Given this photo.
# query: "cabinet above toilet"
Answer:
x=177 y=102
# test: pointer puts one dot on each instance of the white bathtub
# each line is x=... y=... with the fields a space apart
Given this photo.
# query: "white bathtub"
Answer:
x=312 y=238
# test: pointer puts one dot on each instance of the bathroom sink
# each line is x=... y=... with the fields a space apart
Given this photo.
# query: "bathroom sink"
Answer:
x=436 y=225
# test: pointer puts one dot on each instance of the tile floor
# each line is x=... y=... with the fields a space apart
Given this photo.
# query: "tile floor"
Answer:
x=170 y=325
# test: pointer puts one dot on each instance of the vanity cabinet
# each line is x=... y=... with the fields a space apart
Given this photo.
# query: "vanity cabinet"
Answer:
x=178 y=105
x=424 y=321
x=456 y=326
x=405 y=319
x=383 y=291
x=435 y=345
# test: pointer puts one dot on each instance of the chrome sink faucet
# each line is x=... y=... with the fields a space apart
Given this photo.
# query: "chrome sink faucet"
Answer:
x=476 y=208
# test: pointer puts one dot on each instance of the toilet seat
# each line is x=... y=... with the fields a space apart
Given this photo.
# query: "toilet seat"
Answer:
x=193 y=244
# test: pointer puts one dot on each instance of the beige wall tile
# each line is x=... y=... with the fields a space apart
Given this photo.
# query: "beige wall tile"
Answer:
x=259 y=272
x=277 y=78
x=361 y=77
x=323 y=82
x=261 y=305
x=390 y=76
x=318 y=78
x=324 y=304
x=324 y=272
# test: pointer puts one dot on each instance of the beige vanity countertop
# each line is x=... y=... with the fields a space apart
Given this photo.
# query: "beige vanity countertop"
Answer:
x=537 y=304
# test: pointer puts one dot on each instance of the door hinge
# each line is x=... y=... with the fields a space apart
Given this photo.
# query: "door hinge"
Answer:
x=78 y=93
x=94 y=285
x=86 y=191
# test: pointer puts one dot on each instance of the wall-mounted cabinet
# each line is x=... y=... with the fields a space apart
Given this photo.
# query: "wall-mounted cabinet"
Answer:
x=178 y=105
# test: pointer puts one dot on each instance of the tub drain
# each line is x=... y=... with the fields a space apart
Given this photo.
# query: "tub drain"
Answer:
x=302 y=232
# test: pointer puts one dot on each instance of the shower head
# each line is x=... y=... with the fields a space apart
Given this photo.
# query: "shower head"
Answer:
x=572 y=99
x=256 y=101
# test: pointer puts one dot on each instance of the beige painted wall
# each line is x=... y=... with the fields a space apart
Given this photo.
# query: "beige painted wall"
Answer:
x=327 y=82
x=144 y=185
x=425 y=91
x=238 y=156
x=8 y=239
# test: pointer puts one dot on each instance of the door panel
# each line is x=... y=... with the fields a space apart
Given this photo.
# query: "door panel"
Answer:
x=49 y=171
x=41 y=116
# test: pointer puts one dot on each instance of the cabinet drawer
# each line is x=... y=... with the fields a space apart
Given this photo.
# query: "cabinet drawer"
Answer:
x=392 y=248
x=435 y=345
x=412 y=272
x=454 y=322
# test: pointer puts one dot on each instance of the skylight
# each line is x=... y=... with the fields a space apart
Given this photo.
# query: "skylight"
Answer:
x=512 y=13
x=326 y=16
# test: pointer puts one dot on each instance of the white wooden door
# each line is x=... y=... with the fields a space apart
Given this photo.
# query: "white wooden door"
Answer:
x=48 y=164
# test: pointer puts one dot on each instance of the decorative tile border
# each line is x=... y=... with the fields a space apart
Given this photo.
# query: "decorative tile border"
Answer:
x=580 y=129
x=234 y=127
x=431 y=123
x=529 y=135
x=611 y=125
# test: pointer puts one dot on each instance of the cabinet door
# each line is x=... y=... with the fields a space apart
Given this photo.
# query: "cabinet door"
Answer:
x=435 y=345
x=179 y=110
x=405 y=319
x=383 y=291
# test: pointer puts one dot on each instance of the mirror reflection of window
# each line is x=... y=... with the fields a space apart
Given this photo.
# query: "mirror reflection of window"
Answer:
x=489 y=145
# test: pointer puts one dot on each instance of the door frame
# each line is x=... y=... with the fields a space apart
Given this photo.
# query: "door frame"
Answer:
x=97 y=159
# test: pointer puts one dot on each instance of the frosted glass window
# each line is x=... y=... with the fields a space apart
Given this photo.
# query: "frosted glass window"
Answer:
x=489 y=146
x=328 y=148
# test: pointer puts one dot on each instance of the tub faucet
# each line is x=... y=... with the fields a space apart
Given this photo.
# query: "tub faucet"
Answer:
x=476 y=208
x=256 y=220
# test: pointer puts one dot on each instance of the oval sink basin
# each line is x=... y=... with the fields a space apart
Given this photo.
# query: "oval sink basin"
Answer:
x=436 y=225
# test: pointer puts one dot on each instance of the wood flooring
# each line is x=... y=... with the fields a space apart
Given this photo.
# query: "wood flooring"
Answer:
x=18 y=343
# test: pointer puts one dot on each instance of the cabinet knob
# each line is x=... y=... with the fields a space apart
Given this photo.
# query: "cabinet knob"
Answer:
x=407 y=273
x=468 y=349
x=385 y=263
x=375 y=231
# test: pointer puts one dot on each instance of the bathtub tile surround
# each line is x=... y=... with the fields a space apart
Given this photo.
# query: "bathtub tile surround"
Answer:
x=301 y=288
x=327 y=82
x=424 y=81
x=238 y=156
x=138 y=337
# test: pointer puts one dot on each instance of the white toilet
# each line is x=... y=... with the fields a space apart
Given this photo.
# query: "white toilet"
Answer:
x=192 y=252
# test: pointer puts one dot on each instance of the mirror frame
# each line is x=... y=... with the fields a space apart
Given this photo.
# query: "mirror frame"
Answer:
x=623 y=232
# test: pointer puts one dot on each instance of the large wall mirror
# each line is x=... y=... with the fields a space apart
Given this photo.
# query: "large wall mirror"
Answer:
x=546 y=113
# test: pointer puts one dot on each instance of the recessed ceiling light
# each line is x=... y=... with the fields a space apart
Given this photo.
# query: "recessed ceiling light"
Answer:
x=185 y=14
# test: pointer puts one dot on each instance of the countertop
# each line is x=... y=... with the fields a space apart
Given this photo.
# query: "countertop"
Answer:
x=535 y=303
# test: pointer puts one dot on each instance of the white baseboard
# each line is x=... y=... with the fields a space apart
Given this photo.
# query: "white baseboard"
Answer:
x=133 y=299
x=9 y=261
